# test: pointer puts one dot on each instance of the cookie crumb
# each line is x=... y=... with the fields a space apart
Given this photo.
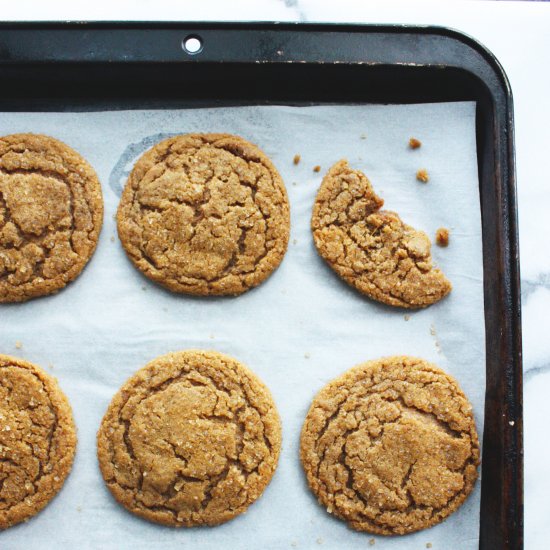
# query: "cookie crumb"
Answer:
x=372 y=542
x=407 y=317
x=422 y=175
x=112 y=238
x=363 y=136
x=297 y=159
x=511 y=422
x=294 y=241
x=294 y=183
x=428 y=545
x=432 y=330
x=50 y=366
x=307 y=355
x=442 y=236
x=414 y=143
x=143 y=287
x=18 y=344
x=317 y=168
x=294 y=544
x=319 y=540
x=79 y=508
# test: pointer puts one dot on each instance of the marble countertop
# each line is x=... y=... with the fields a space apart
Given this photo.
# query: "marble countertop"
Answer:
x=518 y=34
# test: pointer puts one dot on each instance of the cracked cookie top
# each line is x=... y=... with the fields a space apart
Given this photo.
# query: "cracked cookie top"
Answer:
x=391 y=446
x=51 y=211
x=372 y=249
x=37 y=440
x=205 y=214
x=192 y=438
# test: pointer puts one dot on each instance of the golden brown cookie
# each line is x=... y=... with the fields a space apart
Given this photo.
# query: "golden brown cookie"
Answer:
x=205 y=214
x=391 y=446
x=51 y=211
x=37 y=440
x=192 y=438
x=372 y=249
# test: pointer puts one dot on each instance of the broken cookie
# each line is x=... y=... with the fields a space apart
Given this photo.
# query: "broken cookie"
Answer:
x=372 y=249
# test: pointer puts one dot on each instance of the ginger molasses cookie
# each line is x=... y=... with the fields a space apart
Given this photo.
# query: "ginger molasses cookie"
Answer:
x=205 y=214
x=372 y=249
x=51 y=211
x=391 y=446
x=37 y=440
x=192 y=438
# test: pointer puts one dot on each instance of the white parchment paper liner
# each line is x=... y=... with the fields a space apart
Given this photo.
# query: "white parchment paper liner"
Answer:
x=297 y=331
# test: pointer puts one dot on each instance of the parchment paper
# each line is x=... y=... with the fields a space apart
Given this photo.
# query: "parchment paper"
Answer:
x=297 y=331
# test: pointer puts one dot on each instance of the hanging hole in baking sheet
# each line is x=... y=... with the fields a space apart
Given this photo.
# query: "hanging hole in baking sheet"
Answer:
x=192 y=44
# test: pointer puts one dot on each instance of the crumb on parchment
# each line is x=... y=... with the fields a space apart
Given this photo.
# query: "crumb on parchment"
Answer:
x=442 y=236
x=317 y=168
x=112 y=238
x=428 y=545
x=296 y=159
x=422 y=175
x=414 y=143
x=18 y=344
x=407 y=317
x=372 y=542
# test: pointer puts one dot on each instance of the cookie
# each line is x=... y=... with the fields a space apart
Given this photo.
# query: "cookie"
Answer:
x=205 y=214
x=193 y=438
x=51 y=211
x=391 y=446
x=37 y=440
x=372 y=249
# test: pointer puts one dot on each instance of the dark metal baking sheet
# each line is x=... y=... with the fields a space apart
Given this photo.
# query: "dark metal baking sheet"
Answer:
x=97 y=66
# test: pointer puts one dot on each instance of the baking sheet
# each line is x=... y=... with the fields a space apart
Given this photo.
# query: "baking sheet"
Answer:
x=297 y=331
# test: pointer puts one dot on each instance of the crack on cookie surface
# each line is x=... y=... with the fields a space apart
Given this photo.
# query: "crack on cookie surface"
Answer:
x=391 y=446
x=372 y=249
x=205 y=214
x=51 y=212
x=193 y=438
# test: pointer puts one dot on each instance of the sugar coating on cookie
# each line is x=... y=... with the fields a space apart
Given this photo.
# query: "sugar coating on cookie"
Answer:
x=51 y=211
x=37 y=440
x=193 y=438
x=372 y=249
x=205 y=214
x=391 y=446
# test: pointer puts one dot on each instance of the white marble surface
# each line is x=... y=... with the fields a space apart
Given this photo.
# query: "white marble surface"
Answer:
x=518 y=33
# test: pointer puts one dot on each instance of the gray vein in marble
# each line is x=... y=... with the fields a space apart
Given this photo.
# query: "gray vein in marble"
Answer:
x=529 y=286
x=530 y=373
x=293 y=4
